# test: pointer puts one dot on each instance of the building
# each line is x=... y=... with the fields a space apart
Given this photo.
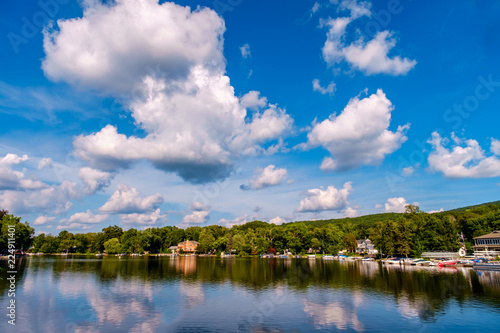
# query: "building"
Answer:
x=187 y=246
x=487 y=245
x=366 y=246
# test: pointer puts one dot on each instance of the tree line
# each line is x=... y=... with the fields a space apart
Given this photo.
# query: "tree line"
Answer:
x=407 y=234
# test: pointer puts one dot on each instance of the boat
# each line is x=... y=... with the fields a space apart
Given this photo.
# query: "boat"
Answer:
x=327 y=257
x=367 y=259
x=484 y=264
x=311 y=256
x=392 y=261
x=420 y=262
x=447 y=263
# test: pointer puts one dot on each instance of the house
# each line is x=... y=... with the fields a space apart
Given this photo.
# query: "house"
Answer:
x=187 y=246
x=174 y=249
x=487 y=245
x=366 y=246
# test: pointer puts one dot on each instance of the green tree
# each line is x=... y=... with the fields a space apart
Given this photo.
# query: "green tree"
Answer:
x=23 y=232
x=206 y=241
x=112 y=246
x=350 y=242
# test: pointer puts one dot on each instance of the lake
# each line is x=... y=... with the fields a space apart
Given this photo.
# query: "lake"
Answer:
x=207 y=294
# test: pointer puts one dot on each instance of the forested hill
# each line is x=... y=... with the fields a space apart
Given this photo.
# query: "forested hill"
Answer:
x=355 y=220
x=493 y=203
x=372 y=218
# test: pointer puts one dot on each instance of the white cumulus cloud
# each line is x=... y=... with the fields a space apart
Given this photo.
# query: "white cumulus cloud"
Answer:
x=41 y=220
x=176 y=85
x=200 y=214
x=329 y=199
x=269 y=176
x=54 y=198
x=127 y=200
x=397 y=205
x=277 y=220
x=252 y=100
x=94 y=180
x=350 y=212
x=359 y=135
x=370 y=57
x=84 y=218
x=236 y=221
x=466 y=160
x=45 y=163
x=152 y=218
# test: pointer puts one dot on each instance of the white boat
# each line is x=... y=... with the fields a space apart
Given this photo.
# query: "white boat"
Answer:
x=311 y=256
x=392 y=261
x=327 y=257
x=421 y=262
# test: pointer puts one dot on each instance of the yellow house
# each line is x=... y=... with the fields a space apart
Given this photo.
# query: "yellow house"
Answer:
x=187 y=246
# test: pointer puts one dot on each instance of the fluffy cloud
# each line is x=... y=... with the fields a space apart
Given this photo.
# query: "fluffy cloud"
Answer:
x=237 y=221
x=463 y=162
x=270 y=124
x=350 y=212
x=397 y=205
x=94 y=180
x=200 y=214
x=152 y=218
x=252 y=100
x=245 y=51
x=330 y=89
x=16 y=180
x=495 y=146
x=330 y=199
x=73 y=226
x=12 y=159
x=277 y=220
x=370 y=57
x=269 y=176
x=54 y=198
x=178 y=91
x=138 y=35
x=85 y=218
x=45 y=163
x=23 y=193
x=41 y=220
x=359 y=135
x=127 y=200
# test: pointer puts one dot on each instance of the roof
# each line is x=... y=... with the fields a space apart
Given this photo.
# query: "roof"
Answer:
x=189 y=241
x=494 y=234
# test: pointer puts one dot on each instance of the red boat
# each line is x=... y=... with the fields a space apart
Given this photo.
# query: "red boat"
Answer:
x=447 y=263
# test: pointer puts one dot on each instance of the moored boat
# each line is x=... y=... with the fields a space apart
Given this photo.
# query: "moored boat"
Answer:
x=447 y=263
x=485 y=264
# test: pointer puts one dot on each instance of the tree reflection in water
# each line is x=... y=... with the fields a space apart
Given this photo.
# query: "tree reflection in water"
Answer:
x=150 y=294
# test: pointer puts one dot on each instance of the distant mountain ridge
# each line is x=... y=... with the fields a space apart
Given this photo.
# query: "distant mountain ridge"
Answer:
x=372 y=218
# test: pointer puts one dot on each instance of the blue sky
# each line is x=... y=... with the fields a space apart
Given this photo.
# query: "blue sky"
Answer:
x=143 y=114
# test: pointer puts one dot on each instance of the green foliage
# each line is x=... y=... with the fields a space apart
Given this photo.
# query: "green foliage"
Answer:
x=112 y=246
x=23 y=232
x=406 y=234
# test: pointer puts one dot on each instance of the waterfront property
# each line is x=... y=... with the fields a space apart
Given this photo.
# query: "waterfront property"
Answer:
x=487 y=245
x=366 y=246
x=187 y=246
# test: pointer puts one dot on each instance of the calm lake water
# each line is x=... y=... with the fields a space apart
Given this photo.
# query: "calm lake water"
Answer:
x=189 y=294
